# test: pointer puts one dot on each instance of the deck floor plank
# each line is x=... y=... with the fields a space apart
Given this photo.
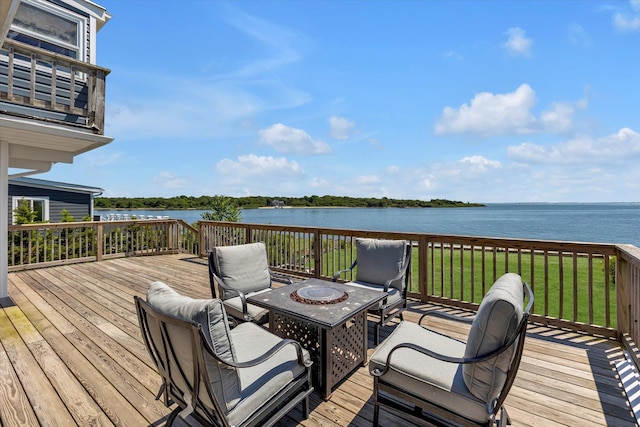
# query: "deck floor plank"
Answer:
x=79 y=322
x=133 y=375
x=45 y=401
x=13 y=398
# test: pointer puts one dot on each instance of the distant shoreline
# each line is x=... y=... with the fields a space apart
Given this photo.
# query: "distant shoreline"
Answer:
x=289 y=207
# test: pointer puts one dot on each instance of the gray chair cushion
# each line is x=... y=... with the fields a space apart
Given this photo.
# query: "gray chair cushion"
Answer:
x=261 y=382
x=430 y=379
x=243 y=267
x=380 y=260
x=496 y=321
x=210 y=314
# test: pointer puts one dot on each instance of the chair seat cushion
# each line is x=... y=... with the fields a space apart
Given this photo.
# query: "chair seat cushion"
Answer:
x=233 y=306
x=393 y=295
x=258 y=384
x=429 y=379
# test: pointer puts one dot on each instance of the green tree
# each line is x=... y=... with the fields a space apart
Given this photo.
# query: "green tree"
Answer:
x=66 y=216
x=24 y=214
x=222 y=209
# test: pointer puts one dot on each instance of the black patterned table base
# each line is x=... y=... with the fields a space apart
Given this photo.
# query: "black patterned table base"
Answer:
x=335 y=352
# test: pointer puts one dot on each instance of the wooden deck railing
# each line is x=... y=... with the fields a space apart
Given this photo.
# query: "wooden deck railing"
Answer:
x=37 y=245
x=39 y=78
x=577 y=285
x=588 y=287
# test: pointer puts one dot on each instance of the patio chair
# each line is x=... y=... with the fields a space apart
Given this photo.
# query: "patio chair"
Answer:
x=241 y=271
x=385 y=266
x=244 y=376
x=420 y=373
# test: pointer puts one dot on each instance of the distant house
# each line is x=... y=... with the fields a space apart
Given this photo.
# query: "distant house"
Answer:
x=48 y=198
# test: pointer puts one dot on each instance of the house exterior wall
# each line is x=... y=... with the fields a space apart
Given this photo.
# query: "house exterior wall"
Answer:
x=79 y=205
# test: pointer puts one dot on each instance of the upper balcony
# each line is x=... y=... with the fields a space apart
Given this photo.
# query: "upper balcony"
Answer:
x=52 y=93
x=41 y=85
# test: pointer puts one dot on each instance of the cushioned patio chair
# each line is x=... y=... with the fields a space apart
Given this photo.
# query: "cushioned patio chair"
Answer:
x=421 y=373
x=385 y=266
x=244 y=376
x=241 y=271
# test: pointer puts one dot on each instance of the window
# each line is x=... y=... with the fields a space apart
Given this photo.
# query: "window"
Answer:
x=49 y=27
x=39 y=206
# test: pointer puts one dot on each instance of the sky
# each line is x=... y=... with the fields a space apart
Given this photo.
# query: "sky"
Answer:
x=476 y=101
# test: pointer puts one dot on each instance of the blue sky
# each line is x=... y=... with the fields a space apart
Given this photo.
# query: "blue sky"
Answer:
x=479 y=101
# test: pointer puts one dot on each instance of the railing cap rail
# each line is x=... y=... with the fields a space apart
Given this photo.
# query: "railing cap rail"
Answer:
x=49 y=56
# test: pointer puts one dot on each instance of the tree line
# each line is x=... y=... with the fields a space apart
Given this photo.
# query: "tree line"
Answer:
x=253 y=202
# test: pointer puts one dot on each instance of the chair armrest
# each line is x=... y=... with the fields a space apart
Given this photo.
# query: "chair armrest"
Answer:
x=450 y=359
x=337 y=274
x=265 y=356
x=243 y=298
x=280 y=277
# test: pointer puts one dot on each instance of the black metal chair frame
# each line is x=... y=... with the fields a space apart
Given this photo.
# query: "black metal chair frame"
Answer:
x=297 y=391
x=385 y=311
x=400 y=401
x=223 y=291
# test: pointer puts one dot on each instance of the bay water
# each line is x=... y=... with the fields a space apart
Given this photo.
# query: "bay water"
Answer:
x=577 y=222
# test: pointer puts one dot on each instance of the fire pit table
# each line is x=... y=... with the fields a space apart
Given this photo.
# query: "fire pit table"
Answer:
x=328 y=319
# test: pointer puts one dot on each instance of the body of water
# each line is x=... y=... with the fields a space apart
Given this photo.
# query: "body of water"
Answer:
x=590 y=222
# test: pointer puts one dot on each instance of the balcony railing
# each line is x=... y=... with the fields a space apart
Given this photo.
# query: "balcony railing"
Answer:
x=36 y=78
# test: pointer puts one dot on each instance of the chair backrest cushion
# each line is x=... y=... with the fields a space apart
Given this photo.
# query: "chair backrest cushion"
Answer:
x=498 y=317
x=210 y=314
x=243 y=267
x=380 y=260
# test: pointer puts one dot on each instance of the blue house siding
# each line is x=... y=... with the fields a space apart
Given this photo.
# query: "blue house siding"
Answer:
x=78 y=200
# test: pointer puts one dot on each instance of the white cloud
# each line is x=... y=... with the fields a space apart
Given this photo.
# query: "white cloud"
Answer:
x=168 y=180
x=480 y=164
x=618 y=148
x=490 y=114
x=452 y=54
x=628 y=22
x=577 y=35
x=558 y=119
x=320 y=183
x=285 y=139
x=518 y=44
x=367 y=180
x=279 y=42
x=250 y=165
x=341 y=128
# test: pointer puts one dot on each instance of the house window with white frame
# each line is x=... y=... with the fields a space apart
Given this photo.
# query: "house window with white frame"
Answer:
x=49 y=27
x=39 y=205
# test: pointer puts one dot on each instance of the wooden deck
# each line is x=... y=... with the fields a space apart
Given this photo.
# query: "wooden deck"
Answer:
x=71 y=354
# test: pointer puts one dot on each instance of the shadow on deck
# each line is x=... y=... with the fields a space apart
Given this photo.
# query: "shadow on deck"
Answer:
x=71 y=354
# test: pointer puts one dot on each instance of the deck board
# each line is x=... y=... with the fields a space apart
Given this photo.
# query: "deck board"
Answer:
x=71 y=354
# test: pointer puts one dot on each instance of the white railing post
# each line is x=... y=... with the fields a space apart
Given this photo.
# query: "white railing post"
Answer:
x=4 y=217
